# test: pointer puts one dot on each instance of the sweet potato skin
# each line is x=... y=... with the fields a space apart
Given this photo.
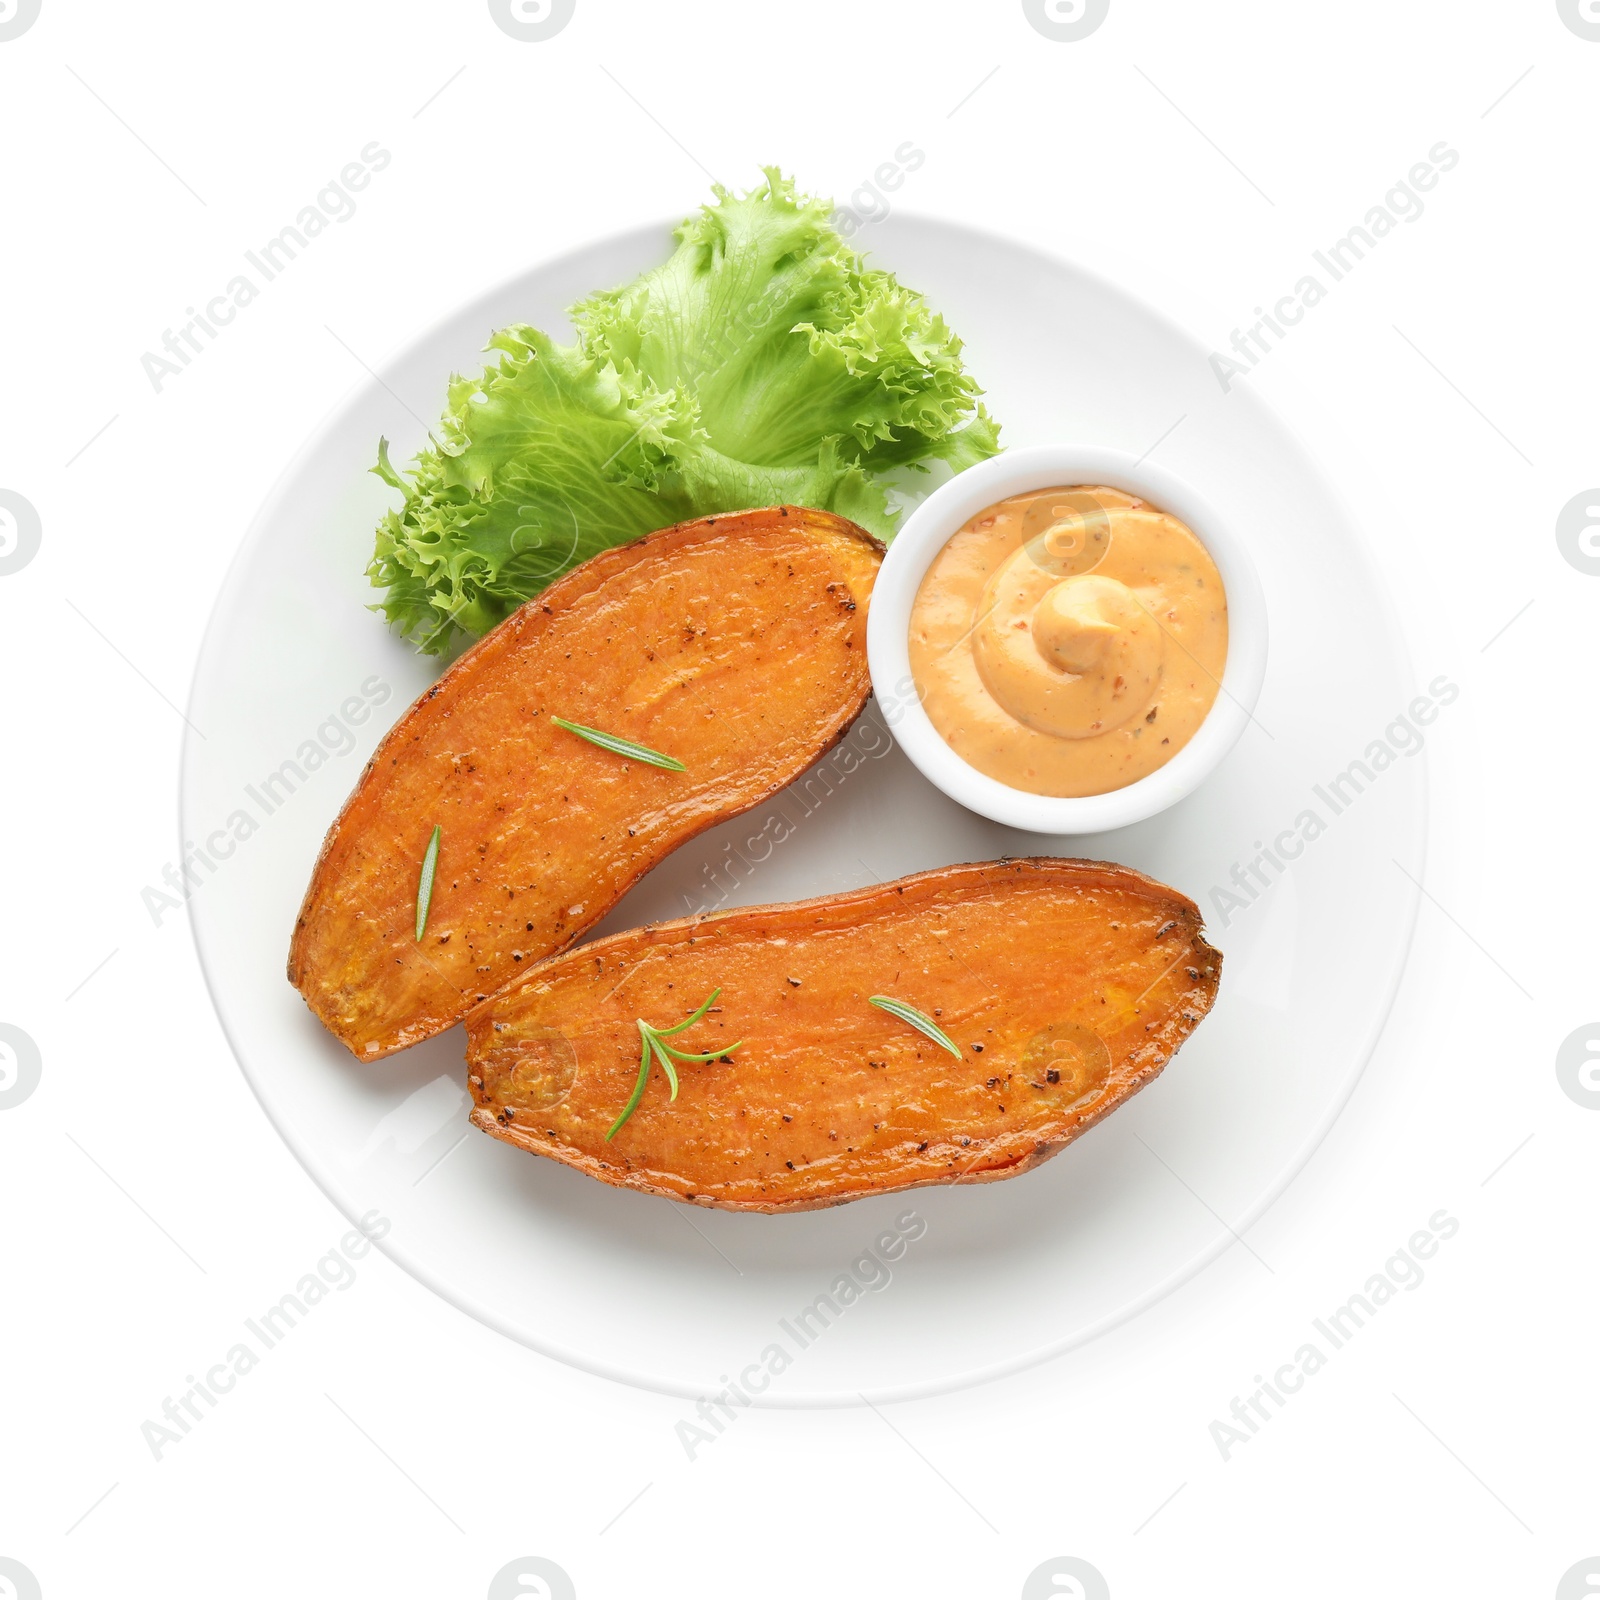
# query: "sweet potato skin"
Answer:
x=1033 y=967
x=735 y=643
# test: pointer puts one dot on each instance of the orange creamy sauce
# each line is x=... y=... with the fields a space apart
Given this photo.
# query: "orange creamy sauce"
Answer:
x=1069 y=641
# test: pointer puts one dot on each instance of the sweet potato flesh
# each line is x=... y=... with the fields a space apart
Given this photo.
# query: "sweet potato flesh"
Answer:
x=1067 y=985
x=736 y=644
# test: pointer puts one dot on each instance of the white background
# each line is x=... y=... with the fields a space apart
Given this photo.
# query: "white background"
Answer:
x=392 y=1446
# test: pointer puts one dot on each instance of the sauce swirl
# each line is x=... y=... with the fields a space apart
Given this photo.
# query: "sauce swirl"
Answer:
x=1069 y=641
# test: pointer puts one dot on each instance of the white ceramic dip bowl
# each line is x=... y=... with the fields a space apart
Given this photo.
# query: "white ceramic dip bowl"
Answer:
x=925 y=534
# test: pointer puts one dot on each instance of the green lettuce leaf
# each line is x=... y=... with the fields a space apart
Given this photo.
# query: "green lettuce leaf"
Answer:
x=761 y=362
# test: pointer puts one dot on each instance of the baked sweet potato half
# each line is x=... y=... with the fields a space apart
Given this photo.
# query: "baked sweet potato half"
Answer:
x=1064 y=985
x=735 y=644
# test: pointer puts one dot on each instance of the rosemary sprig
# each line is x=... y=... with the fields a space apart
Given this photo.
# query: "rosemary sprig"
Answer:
x=425 y=881
x=652 y=1046
x=621 y=747
x=922 y=1023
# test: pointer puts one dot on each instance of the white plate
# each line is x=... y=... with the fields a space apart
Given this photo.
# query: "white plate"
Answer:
x=1002 y=1275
